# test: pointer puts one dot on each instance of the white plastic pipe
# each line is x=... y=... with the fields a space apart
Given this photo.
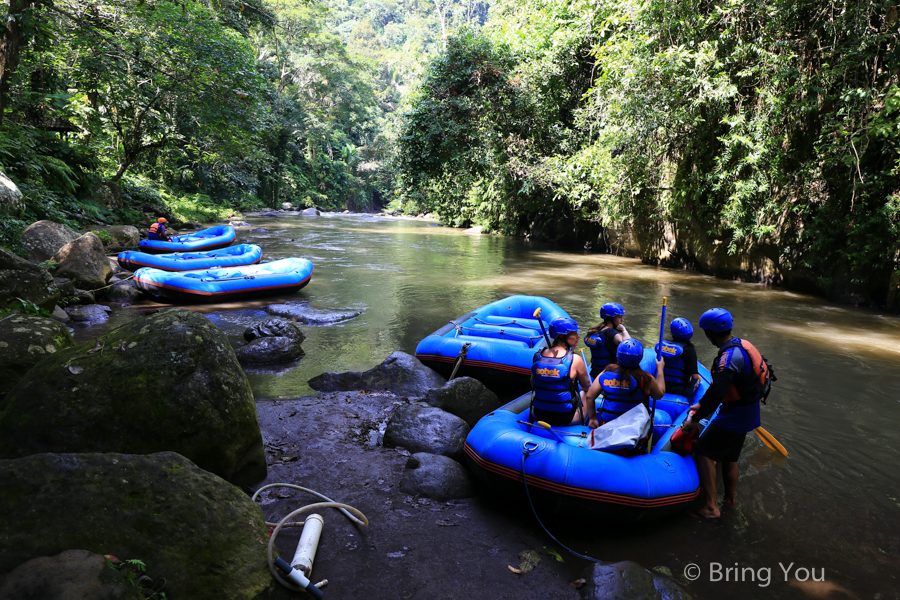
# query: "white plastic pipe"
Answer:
x=308 y=544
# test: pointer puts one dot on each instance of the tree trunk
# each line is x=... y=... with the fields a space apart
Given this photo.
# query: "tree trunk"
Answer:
x=9 y=48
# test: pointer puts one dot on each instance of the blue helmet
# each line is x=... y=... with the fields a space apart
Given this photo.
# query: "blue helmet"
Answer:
x=562 y=326
x=681 y=329
x=716 y=320
x=630 y=353
x=611 y=309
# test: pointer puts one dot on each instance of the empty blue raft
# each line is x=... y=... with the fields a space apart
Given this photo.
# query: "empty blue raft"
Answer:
x=568 y=478
x=500 y=340
x=215 y=285
x=205 y=239
x=233 y=256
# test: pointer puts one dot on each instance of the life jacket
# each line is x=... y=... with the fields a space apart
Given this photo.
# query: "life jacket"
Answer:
x=674 y=369
x=619 y=396
x=155 y=230
x=600 y=350
x=754 y=382
x=553 y=388
x=683 y=441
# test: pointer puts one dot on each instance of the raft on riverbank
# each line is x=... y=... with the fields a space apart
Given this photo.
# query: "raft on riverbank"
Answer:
x=205 y=239
x=494 y=344
x=279 y=277
x=233 y=256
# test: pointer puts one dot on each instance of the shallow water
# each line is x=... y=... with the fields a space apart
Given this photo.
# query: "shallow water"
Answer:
x=833 y=505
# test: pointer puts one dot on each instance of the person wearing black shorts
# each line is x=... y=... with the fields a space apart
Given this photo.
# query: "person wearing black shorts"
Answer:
x=738 y=375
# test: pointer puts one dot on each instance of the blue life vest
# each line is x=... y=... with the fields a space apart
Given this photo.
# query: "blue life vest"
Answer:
x=674 y=369
x=601 y=353
x=553 y=388
x=619 y=396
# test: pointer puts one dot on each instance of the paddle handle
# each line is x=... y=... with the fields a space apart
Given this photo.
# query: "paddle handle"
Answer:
x=662 y=328
x=537 y=315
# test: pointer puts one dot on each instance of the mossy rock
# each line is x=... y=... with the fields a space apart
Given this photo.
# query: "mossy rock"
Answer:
x=24 y=341
x=203 y=535
x=28 y=281
x=169 y=381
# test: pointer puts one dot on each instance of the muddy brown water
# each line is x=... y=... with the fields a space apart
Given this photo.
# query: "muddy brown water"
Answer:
x=830 y=511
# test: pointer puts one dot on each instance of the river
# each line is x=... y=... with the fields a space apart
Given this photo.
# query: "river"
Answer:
x=832 y=507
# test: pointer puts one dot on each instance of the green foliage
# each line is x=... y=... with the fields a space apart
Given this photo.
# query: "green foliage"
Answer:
x=27 y=307
x=104 y=236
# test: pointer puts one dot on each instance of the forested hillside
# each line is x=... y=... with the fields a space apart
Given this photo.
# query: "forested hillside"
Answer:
x=748 y=139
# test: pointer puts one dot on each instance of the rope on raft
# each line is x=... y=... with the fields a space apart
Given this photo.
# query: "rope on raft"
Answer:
x=460 y=328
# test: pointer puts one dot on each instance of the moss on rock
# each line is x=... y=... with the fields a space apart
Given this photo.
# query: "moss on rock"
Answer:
x=26 y=340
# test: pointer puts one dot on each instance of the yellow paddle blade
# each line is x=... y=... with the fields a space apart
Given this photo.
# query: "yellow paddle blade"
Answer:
x=770 y=441
x=543 y=424
x=536 y=313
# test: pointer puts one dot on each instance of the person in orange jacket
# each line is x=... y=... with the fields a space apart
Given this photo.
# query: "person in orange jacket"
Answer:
x=158 y=231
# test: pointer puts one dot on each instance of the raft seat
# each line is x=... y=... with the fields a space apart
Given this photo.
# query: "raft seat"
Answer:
x=530 y=337
x=504 y=320
x=497 y=342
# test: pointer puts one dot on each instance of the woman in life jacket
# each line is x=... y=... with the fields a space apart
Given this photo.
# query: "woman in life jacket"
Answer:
x=681 y=373
x=554 y=370
x=604 y=339
x=158 y=230
x=624 y=385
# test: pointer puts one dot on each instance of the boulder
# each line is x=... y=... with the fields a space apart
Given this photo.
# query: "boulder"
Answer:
x=628 y=580
x=60 y=315
x=11 y=200
x=107 y=194
x=122 y=291
x=302 y=313
x=76 y=575
x=20 y=278
x=24 y=341
x=239 y=223
x=84 y=261
x=85 y=296
x=88 y=313
x=464 y=397
x=204 y=536
x=400 y=373
x=422 y=428
x=43 y=239
x=168 y=381
x=65 y=286
x=271 y=342
x=287 y=205
x=309 y=212
x=435 y=476
x=121 y=235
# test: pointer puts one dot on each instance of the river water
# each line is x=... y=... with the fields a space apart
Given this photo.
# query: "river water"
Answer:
x=832 y=508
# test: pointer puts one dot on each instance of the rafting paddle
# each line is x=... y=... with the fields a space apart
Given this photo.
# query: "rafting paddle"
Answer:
x=770 y=441
x=662 y=328
x=537 y=315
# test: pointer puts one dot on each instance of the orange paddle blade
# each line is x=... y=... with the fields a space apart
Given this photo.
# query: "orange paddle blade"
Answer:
x=770 y=441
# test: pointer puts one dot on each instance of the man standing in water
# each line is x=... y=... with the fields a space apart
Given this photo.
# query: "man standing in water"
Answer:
x=739 y=379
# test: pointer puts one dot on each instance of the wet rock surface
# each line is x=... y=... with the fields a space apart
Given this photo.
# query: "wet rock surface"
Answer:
x=422 y=428
x=84 y=261
x=11 y=199
x=69 y=575
x=414 y=547
x=302 y=313
x=20 y=278
x=628 y=580
x=202 y=534
x=88 y=313
x=169 y=381
x=437 y=477
x=273 y=341
x=122 y=291
x=24 y=341
x=400 y=372
x=464 y=397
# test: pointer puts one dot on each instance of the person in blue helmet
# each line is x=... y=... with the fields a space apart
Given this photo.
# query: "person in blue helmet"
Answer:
x=681 y=373
x=554 y=370
x=740 y=376
x=604 y=339
x=624 y=385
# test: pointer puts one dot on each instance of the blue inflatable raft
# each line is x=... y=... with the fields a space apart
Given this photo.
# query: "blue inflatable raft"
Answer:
x=495 y=343
x=205 y=239
x=233 y=256
x=566 y=477
x=213 y=285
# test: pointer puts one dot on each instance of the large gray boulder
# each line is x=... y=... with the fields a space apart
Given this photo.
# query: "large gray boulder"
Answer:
x=464 y=397
x=309 y=212
x=11 y=201
x=20 y=278
x=422 y=428
x=168 y=381
x=202 y=534
x=628 y=580
x=43 y=239
x=122 y=291
x=88 y=313
x=71 y=575
x=121 y=235
x=302 y=313
x=400 y=373
x=271 y=342
x=24 y=341
x=435 y=476
x=84 y=261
